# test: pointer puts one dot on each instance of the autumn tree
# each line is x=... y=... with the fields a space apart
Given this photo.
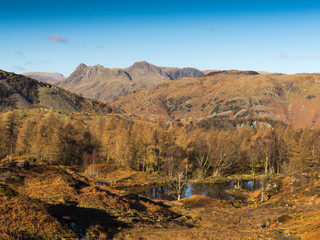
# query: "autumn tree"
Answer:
x=281 y=149
x=245 y=157
x=291 y=137
x=45 y=144
x=105 y=132
x=121 y=153
x=3 y=145
x=26 y=136
x=11 y=125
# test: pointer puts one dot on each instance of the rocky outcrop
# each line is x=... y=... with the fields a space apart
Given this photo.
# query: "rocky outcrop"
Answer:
x=108 y=84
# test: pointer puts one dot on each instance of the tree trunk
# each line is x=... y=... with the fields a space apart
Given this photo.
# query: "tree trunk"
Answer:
x=266 y=166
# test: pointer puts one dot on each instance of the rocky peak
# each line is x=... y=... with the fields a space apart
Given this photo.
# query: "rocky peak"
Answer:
x=141 y=65
x=81 y=67
x=99 y=66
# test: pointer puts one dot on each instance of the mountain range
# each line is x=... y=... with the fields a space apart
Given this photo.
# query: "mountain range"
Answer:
x=151 y=92
x=108 y=84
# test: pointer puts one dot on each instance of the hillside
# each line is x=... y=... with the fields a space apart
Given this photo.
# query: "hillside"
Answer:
x=233 y=95
x=19 y=92
x=107 y=84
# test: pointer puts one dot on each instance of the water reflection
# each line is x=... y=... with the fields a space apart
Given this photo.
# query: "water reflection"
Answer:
x=216 y=191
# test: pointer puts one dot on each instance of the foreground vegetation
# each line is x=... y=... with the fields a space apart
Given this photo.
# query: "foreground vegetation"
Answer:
x=55 y=202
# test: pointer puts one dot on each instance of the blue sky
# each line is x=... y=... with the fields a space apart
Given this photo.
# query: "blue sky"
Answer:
x=56 y=36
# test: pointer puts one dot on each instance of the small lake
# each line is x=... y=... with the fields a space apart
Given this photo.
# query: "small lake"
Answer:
x=213 y=190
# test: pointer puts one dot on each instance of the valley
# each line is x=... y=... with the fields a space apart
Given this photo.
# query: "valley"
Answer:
x=160 y=120
x=75 y=168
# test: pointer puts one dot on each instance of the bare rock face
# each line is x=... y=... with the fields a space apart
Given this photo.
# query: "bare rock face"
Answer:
x=108 y=84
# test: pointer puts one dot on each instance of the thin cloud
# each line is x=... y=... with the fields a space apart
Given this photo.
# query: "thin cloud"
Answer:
x=208 y=29
x=205 y=28
x=30 y=63
x=283 y=55
x=57 y=39
x=308 y=57
x=99 y=46
x=45 y=61
x=19 y=68
x=19 y=54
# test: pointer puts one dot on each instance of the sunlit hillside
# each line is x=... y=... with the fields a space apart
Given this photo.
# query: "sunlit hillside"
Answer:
x=231 y=95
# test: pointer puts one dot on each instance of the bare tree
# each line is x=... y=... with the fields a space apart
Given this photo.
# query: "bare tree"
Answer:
x=254 y=156
x=264 y=142
x=176 y=184
x=202 y=155
x=224 y=154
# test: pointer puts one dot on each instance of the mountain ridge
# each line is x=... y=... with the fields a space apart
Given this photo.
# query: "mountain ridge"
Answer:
x=108 y=84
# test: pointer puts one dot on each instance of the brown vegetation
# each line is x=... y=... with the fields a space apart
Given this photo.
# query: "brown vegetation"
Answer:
x=197 y=152
x=53 y=202
x=230 y=95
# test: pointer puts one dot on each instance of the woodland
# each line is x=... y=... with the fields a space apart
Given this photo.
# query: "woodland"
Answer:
x=196 y=150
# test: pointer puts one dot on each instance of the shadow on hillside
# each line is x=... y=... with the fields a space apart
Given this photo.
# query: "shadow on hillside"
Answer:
x=80 y=220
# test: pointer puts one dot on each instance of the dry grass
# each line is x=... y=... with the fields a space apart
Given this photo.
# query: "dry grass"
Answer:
x=200 y=201
x=50 y=187
x=122 y=178
x=21 y=218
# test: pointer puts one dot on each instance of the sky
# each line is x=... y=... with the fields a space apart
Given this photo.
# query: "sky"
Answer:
x=56 y=36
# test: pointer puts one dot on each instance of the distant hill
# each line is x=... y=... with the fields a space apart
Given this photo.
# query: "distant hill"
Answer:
x=232 y=72
x=231 y=95
x=206 y=72
x=51 y=78
x=108 y=84
x=18 y=92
